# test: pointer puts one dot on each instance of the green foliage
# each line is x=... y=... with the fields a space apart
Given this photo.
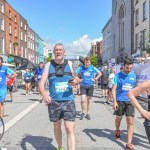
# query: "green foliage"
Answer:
x=94 y=61
x=49 y=58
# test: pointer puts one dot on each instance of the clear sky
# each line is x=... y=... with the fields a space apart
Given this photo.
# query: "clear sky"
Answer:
x=76 y=23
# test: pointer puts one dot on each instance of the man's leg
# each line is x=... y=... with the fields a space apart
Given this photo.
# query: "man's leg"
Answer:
x=82 y=103
x=118 y=122
x=69 y=126
x=1 y=109
x=130 y=128
x=58 y=132
x=89 y=101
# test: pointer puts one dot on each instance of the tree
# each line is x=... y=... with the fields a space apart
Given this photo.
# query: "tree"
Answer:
x=49 y=58
x=94 y=61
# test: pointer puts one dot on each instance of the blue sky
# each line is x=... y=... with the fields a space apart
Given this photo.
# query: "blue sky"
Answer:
x=76 y=23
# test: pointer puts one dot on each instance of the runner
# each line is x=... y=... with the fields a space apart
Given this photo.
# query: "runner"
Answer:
x=61 y=100
x=4 y=73
x=38 y=74
x=87 y=85
x=123 y=82
x=10 y=83
x=27 y=78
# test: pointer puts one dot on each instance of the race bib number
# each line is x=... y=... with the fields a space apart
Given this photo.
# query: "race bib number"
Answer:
x=126 y=87
x=39 y=76
x=87 y=74
x=61 y=87
x=0 y=79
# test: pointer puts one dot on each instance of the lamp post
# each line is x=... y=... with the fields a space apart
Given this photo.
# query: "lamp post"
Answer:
x=147 y=122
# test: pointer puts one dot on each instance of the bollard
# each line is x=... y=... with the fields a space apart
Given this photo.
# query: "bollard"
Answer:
x=147 y=122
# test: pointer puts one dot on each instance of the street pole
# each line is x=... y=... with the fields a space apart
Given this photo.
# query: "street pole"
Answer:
x=147 y=122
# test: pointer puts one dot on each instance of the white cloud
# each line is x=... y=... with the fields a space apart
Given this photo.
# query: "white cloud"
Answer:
x=80 y=47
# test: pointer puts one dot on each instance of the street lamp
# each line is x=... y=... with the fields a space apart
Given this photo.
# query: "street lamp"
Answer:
x=147 y=122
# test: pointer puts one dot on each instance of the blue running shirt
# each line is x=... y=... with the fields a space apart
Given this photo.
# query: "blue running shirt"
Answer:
x=124 y=83
x=87 y=74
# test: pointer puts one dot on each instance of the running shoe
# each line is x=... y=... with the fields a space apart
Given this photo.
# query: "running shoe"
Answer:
x=82 y=116
x=60 y=148
x=88 y=117
x=117 y=134
x=129 y=147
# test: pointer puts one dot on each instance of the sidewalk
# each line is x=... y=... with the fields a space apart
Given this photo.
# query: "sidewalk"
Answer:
x=35 y=132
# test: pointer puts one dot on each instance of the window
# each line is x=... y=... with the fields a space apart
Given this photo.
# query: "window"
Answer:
x=2 y=24
x=2 y=8
x=25 y=27
x=29 y=44
x=2 y=46
x=9 y=28
x=9 y=14
x=144 y=10
x=15 y=19
x=144 y=38
x=137 y=40
x=15 y=32
x=136 y=1
x=33 y=38
x=21 y=35
x=25 y=52
x=10 y=47
x=137 y=17
x=21 y=24
x=25 y=38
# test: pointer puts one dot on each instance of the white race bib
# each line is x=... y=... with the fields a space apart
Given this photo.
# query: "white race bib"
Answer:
x=61 y=87
x=126 y=87
x=0 y=79
x=87 y=74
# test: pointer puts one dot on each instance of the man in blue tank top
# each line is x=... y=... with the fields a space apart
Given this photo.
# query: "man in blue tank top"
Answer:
x=61 y=99
x=4 y=73
x=88 y=78
x=123 y=82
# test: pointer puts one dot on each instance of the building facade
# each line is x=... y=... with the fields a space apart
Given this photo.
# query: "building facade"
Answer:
x=122 y=29
x=31 y=46
x=107 y=49
x=41 y=50
x=22 y=37
x=141 y=25
x=11 y=30
x=2 y=27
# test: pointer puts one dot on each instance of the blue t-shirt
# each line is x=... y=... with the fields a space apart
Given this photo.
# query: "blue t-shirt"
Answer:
x=87 y=74
x=4 y=71
x=124 y=83
x=39 y=72
x=28 y=76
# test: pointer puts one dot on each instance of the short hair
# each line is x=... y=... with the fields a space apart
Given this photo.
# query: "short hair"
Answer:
x=87 y=59
x=1 y=58
x=58 y=44
x=41 y=63
x=128 y=61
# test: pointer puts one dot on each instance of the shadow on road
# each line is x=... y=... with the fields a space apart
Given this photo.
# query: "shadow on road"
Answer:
x=109 y=134
x=37 y=142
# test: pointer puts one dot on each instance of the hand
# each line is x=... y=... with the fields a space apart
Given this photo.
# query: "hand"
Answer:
x=46 y=98
x=115 y=106
x=146 y=114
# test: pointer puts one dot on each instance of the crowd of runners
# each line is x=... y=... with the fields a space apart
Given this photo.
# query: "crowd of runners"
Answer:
x=118 y=90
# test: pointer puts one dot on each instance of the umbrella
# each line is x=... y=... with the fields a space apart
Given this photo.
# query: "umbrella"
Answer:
x=28 y=65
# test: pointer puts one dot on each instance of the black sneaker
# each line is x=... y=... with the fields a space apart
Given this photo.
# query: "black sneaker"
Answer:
x=88 y=117
x=117 y=134
x=82 y=116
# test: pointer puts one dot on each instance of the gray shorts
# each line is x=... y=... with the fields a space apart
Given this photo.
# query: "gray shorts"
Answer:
x=125 y=108
x=62 y=110
x=87 y=90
